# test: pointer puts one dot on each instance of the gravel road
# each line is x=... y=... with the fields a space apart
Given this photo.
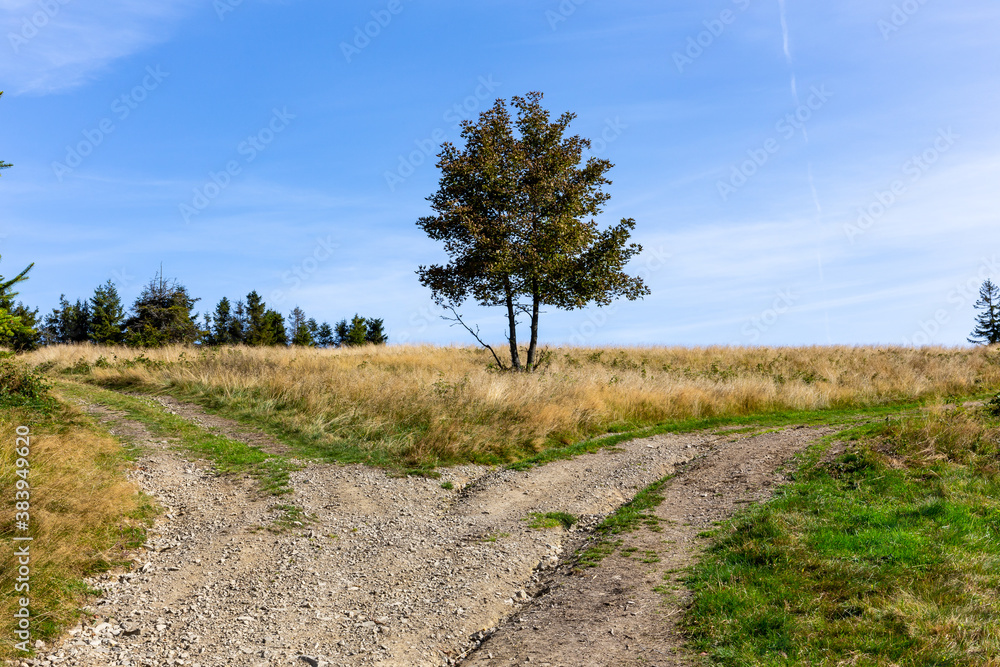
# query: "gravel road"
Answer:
x=400 y=571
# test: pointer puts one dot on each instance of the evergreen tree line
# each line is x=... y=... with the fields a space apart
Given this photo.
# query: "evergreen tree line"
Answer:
x=251 y=322
x=162 y=314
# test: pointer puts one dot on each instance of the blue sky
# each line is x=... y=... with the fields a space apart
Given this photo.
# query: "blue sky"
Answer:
x=800 y=172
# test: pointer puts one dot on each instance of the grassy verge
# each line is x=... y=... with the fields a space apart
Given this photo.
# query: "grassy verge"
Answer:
x=83 y=515
x=887 y=554
x=228 y=456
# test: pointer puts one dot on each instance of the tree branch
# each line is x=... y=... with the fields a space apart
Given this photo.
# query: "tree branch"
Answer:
x=475 y=334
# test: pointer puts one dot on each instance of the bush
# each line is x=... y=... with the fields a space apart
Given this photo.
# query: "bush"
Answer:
x=21 y=386
x=993 y=406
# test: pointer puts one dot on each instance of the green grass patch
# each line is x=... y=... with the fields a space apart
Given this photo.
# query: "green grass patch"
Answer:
x=627 y=518
x=636 y=512
x=596 y=552
x=494 y=537
x=551 y=520
x=885 y=555
x=228 y=456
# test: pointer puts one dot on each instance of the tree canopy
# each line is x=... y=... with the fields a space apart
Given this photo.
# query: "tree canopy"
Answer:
x=515 y=210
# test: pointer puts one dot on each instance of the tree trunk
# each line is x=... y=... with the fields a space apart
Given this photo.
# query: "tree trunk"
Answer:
x=515 y=360
x=534 y=330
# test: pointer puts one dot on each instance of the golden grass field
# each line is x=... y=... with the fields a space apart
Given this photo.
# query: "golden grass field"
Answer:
x=427 y=405
x=421 y=406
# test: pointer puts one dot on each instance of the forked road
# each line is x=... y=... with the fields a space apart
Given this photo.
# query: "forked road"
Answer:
x=399 y=571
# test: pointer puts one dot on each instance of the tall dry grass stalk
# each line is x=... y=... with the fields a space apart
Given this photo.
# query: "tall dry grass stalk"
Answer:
x=431 y=405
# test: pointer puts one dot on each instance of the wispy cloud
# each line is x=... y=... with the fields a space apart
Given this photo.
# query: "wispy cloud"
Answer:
x=51 y=46
x=784 y=30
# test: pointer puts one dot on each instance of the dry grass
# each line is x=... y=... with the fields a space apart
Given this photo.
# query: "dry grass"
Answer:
x=83 y=514
x=431 y=405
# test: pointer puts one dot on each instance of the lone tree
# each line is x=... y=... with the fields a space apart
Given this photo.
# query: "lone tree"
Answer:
x=987 y=331
x=515 y=211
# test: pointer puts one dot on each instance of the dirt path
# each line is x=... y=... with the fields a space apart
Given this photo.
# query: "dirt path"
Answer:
x=613 y=614
x=399 y=571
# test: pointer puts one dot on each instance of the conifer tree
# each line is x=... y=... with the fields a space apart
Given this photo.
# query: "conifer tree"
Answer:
x=341 y=330
x=76 y=321
x=273 y=329
x=298 y=328
x=255 y=311
x=987 y=331
x=221 y=332
x=357 y=333
x=238 y=324
x=53 y=327
x=28 y=336
x=325 y=336
x=107 y=316
x=11 y=325
x=161 y=315
x=69 y=323
x=375 y=331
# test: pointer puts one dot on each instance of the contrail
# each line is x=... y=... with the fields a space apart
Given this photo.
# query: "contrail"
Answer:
x=787 y=48
x=785 y=43
x=812 y=185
